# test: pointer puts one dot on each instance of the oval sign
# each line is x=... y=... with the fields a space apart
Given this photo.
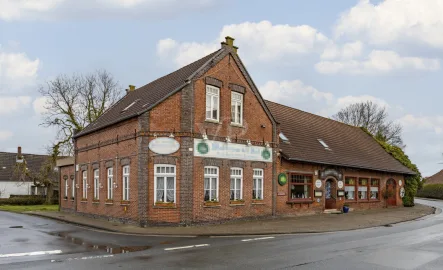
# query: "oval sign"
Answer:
x=164 y=146
x=318 y=183
x=400 y=182
x=282 y=179
x=340 y=184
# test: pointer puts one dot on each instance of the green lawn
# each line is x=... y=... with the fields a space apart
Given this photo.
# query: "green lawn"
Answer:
x=24 y=208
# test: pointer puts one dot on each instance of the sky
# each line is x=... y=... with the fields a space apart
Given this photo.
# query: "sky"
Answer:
x=316 y=55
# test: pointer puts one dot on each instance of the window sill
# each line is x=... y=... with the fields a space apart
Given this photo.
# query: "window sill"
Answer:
x=125 y=203
x=84 y=201
x=258 y=202
x=95 y=202
x=300 y=201
x=213 y=121
x=237 y=125
x=211 y=203
x=109 y=203
x=65 y=199
x=164 y=205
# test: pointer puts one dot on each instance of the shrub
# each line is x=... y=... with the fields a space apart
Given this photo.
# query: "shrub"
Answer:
x=23 y=200
x=434 y=191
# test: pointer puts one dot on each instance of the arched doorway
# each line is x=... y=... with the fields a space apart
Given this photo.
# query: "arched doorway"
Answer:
x=330 y=194
x=391 y=188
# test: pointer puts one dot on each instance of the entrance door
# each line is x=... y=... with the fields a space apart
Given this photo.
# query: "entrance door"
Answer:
x=392 y=190
x=330 y=194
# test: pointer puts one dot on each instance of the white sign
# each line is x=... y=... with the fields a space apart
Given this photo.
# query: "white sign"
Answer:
x=318 y=183
x=402 y=192
x=217 y=149
x=340 y=184
x=400 y=183
x=164 y=145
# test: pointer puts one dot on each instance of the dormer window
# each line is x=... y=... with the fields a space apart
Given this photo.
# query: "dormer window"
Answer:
x=283 y=137
x=324 y=144
x=130 y=105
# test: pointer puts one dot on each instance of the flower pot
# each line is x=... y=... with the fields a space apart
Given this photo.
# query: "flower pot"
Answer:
x=345 y=209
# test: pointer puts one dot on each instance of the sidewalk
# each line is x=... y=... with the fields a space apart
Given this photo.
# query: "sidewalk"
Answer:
x=282 y=225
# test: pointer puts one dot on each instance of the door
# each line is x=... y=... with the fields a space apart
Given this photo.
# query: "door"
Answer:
x=330 y=194
x=392 y=192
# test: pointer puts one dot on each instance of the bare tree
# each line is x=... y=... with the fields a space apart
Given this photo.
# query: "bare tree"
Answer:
x=73 y=102
x=374 y=118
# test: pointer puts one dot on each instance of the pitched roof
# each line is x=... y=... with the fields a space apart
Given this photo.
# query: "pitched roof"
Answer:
x=8 y=161
x=435 y=179
x=348 y=146
x=146 y=97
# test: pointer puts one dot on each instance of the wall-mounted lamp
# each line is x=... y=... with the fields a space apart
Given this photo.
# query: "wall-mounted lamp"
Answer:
x=228 y=140
x=76 y=186
x=248 y=142
x=155 y=135
x=267 y=145
x=171 y=136
x=88 y=185
x=101 y=185
x=204 y=136
x=115 y=185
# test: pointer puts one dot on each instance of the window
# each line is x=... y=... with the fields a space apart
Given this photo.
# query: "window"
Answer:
x=300 y=187
x=125 y=187
x=110 y=183
x=72 y=188
x=323 y=144
x=130 y=105
x=257 y=185
x=164 y=184
x=66 y=188
x=374 y=189
x=211 y=183
x=283 y=137
x=212 y=103
x=96 y=185
x=85 y=184
x=236 y=108
x=363 y=188
x=236 y=184
x=350 y=188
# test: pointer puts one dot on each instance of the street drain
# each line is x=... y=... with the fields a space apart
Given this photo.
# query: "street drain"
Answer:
x=16 y=227
x=106 y=248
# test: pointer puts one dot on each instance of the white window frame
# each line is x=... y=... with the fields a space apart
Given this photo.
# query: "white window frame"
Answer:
x=234 y=178
x=165 y=176
x=211 y=176
x=85 y=184
x=66 y=188
x=125 y=184
x=96 y=184
x=110 y=184
x=211 y=93
x=73 y=188
x=258 y=174
x=236 y=99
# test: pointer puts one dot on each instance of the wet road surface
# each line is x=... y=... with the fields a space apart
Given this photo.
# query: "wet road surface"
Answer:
x=412 y=245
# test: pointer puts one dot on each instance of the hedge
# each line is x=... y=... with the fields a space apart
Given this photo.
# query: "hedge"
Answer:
x=22 y=200
x=434 y=191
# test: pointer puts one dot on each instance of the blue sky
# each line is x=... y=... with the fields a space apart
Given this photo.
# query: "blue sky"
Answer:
x=315 y=55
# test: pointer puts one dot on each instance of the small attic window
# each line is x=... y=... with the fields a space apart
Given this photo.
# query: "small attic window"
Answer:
x=130 y=105
x=324 y=144
x=283 y=137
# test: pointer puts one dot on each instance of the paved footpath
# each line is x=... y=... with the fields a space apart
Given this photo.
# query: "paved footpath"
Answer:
x=281 y=225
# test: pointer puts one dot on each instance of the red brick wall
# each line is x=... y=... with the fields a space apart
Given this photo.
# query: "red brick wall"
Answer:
x=115 y=152
x=67 y=203
x=283 y=208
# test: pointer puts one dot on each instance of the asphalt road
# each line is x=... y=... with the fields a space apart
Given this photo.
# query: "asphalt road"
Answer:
x=47 y=244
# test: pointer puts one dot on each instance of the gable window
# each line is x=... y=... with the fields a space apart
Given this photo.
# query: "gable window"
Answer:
x=363 y=188
x=212 y=103
x=126 y=183
x=85 y=185
x=257 y=185
x=96 y=185
x=110 y=183
x=164 y=184
x=236 y=108
x=374 y=189
x=211 y=183
x=236 y=184
x=350 y=184
x=300 y=187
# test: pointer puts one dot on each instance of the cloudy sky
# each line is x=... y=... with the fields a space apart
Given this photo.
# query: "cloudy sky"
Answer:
x=315 y=55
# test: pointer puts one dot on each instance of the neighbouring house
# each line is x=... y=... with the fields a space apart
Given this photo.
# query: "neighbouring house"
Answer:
x=201 y=145
x=10 y=182
x=434 y=179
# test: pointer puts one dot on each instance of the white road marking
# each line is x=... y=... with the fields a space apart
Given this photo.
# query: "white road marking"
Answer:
x=256 y=239
x=185 y=247
x=85 y=258
x=35 y=253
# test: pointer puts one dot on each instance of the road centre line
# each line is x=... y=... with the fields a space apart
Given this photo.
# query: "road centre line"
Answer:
x=35 y=253
x=186 y=247
x=256 y=239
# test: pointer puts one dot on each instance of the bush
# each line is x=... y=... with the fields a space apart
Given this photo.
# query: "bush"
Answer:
x=434 y=191
x=23 y=200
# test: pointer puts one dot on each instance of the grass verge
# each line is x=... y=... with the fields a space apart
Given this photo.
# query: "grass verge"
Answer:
x=25 y=208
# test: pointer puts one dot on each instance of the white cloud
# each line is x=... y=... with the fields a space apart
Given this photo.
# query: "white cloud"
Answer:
x=10 y=105
x=378 y=62
x=39 y=105
x=12 y=10
x=430 y=123
x=262 y=41
x=5 y=134
x=392 y=21
x=347 y=51
x=17 y=70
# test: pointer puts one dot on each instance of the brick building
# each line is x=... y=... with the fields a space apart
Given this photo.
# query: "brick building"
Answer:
x=201 y=145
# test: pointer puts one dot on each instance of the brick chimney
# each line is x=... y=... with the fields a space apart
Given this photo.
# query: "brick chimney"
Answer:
x=19 y=152
x=230 y=44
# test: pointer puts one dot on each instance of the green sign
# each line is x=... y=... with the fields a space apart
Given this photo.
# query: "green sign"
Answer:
x=203 y=148
x=282 y=179
x=266 y=154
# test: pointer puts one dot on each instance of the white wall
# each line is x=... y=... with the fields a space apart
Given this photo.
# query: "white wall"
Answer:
x=8 y=187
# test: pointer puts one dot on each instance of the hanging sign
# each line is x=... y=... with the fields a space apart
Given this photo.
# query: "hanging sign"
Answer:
x=282 y=179
x=400 y=183
x=402 y=192
x=340 y=184
x=164 y=146
x=318 y=183
x=217 y=149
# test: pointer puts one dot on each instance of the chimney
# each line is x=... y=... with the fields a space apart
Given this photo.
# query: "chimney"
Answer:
x=19 y=152
x=230 y=43
x=131 y=88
